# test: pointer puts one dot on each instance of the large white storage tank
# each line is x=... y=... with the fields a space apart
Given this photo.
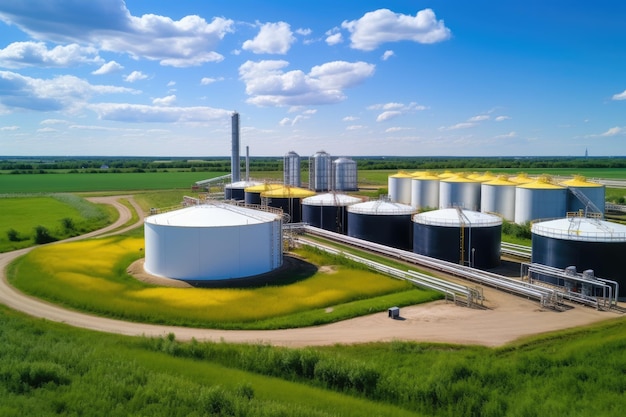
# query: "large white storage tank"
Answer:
x=498 y=196
x=328 y=211
x=291 y=169
x=540 y=199
x=399 y=187
x=320 y=171
x=212 y=242
x=345 y=175
x=591 y=191
x=459 y=191
x=383 y=222
x=425 y=191
x=586 y=243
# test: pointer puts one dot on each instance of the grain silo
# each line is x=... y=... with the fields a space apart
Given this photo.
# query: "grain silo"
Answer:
x=236 y=190
x=252 y=194
x=459 y=191
x=399 y=187
x=289 y=199
x=540 y=199
x=320 y=172
x=586 y=243
x=498 y=196
x=383 y=222
x=328 y=211
x=291 y=169
x=212 y=242
x=460 y=236
x=425 y=191
x=345 y=175
x=585 y=195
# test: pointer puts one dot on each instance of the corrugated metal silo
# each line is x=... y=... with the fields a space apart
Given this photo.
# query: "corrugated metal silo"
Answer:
x=498 y=196
x=289 y=199
x=425 y=191
x=236 y=190
x=399 y=187
x=291 y=169
x=540 y=199
x=579 y=188
x=252 y=195
x=582 y=242
x=459 y=191
x=320 y=171
x=328 y=211
x=212 y=242
x=345 y=174
x=459 y=236
x=383 y=222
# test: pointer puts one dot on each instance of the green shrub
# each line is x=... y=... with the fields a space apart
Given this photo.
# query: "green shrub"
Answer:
x=42 y=235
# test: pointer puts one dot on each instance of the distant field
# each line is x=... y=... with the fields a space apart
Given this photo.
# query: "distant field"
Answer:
x=55 y=183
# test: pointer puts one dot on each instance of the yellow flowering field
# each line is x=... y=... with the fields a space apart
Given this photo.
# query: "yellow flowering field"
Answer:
x=91 y=275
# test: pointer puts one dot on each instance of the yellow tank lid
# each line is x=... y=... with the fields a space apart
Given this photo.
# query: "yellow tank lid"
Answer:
x=427 y=175
x=401 y=174
x=543 y=182
x=487 y=176
x=261 y=188
x=458 y=177
x=501 y=180
x=580 y=181
x=288 y=192
x=446 y=174
x=418 y=173
x=521 y=178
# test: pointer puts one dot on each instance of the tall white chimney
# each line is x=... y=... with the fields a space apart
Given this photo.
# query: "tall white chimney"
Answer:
x=235 y=163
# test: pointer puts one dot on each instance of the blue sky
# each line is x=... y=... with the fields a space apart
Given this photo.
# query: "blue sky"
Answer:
x=352 y=78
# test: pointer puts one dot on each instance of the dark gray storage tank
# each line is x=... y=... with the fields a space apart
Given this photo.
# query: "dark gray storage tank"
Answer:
x=328 y=211
x=289 y=199
x=586 y=243
x=438 y=234
x=383 y=222
x=252 y=194
x=236 y=190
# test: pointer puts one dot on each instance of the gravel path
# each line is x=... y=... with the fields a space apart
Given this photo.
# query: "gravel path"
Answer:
x=505 y=318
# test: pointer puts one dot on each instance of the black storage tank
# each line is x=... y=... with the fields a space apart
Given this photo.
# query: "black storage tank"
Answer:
x=586 y=243
x=328 y=211
x=236 y=190
x=438 y=234
x=383 y=222
x=288 y=199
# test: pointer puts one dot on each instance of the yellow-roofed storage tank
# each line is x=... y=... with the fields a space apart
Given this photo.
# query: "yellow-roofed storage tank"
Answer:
x=585 y=195
x=540 y=199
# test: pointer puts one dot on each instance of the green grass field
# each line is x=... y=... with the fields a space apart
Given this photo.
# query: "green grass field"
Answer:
x=91 y=276
x=22 y=214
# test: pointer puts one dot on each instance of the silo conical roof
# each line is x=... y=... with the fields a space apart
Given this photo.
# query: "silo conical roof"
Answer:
x=382 y=207
x=521 y=178
x=541 y=183
x=500 y=180
x=428 y=175
x=288 y=192
x=459 y=177
x=262 y=188
x=331 y=199
x=401 y=174
x=581 y=229
x=450 y=217
x=580 y=181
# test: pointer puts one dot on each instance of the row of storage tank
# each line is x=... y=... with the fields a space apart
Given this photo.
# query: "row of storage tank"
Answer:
x=325 y=173
x=453 y=234
x=519 y=199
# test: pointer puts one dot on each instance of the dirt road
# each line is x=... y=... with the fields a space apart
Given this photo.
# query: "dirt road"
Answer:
x=505 y=319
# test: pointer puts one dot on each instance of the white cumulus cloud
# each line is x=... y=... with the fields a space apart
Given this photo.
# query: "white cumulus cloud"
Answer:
x=614 y=131
x=37 y=54
x=164 y=101
x=108 y=68
x=135 y=76
x=139 y=113
x=208 y=80
x=620 y=96
x=268 y=84
x=273 y=38
x=109 y=25
x=393 y=110
x=383 y=26
x=387 y=54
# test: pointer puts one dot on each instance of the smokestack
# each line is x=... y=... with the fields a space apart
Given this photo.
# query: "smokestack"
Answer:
x=247 y=163
x=235 y=164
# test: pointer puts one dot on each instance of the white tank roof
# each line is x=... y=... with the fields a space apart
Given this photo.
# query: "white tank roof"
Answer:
x=581 y=229
x=331 y=199
x=449 y=217
x=211 y=215
x=242 y=184
x=381 y=207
